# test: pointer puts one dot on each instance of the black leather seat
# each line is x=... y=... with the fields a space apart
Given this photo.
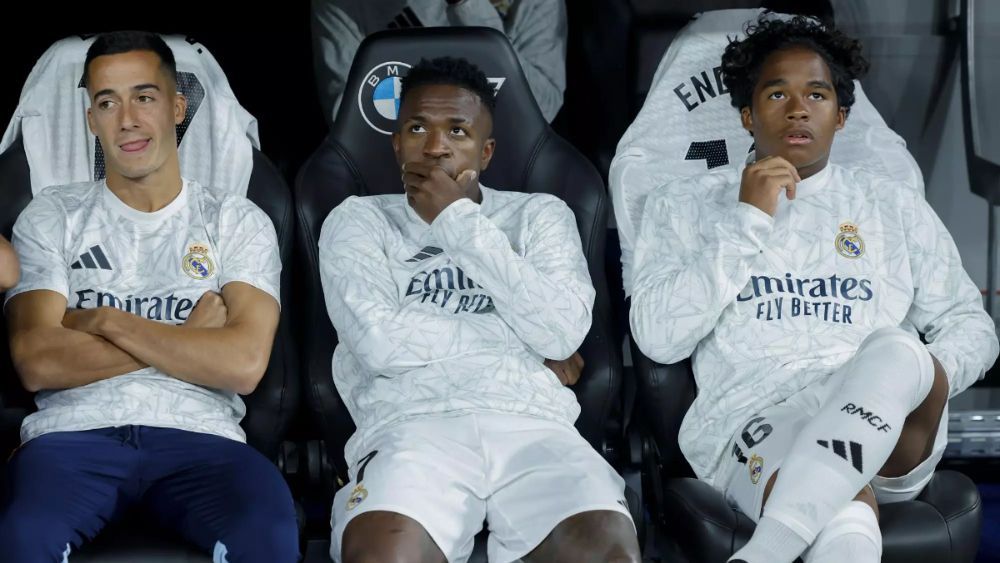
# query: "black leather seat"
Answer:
x=357 y=159
x=15 y=402
x=941 y=525
x=269 y=408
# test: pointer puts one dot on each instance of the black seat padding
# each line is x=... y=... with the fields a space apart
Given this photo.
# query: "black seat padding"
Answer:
x=272 y=405
x=918 y=530
x=15 y=402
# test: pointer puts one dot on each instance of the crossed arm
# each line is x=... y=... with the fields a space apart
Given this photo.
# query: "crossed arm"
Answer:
x=225 y=343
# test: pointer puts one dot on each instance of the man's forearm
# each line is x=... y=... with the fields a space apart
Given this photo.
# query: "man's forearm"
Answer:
x=60 y=358
x=223 y=358
x=550 y=307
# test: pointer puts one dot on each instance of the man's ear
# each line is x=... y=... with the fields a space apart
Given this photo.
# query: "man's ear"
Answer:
x=180 y=107
x=841 y=118
x=484 y=158
x=746 y=118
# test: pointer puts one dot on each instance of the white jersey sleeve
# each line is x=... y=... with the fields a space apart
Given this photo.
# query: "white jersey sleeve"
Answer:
x=685 y=276
x=947 y=306
x=249 y=251
x=546 y=295
x=364 y=304
x=37 y=238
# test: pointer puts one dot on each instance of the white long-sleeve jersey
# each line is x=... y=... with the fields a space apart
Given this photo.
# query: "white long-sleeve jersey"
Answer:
x=458 y=315
x=771 y=306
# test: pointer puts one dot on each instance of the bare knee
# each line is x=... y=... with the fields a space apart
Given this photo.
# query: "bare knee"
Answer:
x=867 y=496
x=767 y=490
x=916 y=441
x=937 y=398
x=388 y=537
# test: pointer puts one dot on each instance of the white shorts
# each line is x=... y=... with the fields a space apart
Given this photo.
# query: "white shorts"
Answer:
x=520 y=474
x=758 y=448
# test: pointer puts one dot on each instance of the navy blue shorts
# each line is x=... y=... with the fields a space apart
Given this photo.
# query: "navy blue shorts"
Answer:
x=222 y=495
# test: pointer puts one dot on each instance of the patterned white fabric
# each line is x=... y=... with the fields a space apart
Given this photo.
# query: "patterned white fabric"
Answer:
x=218 y=134
x=688 y=126
x=82 y=242
x=457 y=316
x=770 y=306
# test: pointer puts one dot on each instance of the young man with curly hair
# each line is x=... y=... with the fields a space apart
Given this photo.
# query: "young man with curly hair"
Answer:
x=799 y=287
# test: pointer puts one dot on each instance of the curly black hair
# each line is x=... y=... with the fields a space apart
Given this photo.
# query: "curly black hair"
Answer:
x=742 y=60
x=453 y=71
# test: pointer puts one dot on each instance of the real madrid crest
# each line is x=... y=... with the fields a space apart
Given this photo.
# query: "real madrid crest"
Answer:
x=197 y=263
x=849 y=243
x=357 y=496
x=756 y=467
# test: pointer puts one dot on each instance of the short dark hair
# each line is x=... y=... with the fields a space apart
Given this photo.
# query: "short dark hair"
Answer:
x=117 y=42
x=453 y=71
x=742 y=60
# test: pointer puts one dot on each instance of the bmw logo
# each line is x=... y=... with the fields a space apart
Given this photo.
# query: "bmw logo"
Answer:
x=378 y=97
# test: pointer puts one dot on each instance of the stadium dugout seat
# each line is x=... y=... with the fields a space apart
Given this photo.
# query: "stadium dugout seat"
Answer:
x=357 y=159
x=943 y=523
x=211 y=107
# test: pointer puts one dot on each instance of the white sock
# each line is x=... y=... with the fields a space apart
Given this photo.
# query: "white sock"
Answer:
x=852 y=535
x=839 y=451
x=847 y=442
x=772 y=542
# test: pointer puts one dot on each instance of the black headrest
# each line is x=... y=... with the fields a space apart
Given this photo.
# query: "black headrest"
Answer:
x=362 y=126
x=15 y=179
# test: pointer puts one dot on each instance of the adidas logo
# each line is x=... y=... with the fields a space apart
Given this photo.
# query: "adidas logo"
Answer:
x=405 y=20
x=840 y=449
x=425 y=253
x=93 y=259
